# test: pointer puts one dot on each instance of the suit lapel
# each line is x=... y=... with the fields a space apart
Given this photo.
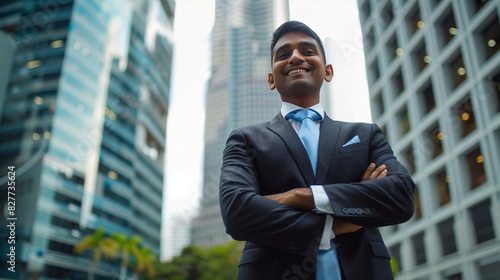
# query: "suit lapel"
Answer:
x=285 y=131
x=328 y=137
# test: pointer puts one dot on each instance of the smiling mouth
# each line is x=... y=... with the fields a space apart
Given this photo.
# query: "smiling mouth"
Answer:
x=297 y=71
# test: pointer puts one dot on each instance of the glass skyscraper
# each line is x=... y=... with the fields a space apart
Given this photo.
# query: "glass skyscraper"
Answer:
x=83 y=124
x=237 y=94
x=433 y=69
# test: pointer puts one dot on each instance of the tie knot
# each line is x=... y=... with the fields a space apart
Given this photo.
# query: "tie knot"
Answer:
x=302 y=114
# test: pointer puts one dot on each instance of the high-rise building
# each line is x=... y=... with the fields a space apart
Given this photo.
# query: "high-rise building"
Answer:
x=237 y=95
x=83 y=126
x=434 y=79
x=179 y=236
x=6 y=53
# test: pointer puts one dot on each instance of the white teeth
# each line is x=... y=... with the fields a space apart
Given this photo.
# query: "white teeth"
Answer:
x=296 y=71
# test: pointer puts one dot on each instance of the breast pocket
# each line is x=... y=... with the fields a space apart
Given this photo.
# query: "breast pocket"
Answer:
x=353 y=148
x=351 y=162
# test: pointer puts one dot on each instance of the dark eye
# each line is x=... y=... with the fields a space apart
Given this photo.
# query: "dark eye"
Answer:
x=282 y=55
x=308 y=52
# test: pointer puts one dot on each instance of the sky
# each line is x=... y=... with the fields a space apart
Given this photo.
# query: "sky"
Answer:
x=337 y=19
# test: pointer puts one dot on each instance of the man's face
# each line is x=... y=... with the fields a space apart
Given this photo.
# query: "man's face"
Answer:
x=298 y=69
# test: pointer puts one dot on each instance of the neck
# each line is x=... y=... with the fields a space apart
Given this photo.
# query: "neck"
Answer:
x=303 y=103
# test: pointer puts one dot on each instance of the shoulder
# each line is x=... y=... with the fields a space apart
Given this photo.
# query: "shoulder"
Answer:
x=252 y=128
x=356 y=125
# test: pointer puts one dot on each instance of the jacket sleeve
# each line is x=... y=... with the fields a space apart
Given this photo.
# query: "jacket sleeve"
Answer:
x=378 y=202
x=252 y=217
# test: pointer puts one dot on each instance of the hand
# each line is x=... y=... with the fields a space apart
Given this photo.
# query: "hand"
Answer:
x=341 y=227
x=300 y=198
x=372 y=173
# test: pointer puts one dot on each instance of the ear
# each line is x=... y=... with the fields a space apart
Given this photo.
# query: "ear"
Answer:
x=270 y=81
x=329 y=72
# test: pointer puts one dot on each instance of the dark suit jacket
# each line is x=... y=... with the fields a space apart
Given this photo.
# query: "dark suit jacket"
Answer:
x=282 y=242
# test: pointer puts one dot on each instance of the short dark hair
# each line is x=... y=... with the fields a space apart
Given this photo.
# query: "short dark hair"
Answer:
x=295 y=26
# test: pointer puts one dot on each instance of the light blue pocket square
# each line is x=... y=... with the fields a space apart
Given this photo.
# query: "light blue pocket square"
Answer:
x=354 y=140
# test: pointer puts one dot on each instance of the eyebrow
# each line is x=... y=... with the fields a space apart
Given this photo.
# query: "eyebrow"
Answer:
x=303 y=43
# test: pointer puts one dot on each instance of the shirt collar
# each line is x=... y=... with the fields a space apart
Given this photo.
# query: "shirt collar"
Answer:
x=289 y=107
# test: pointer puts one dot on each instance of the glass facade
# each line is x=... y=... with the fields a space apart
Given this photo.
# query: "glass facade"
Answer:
x=83 y=123
x=434 y=89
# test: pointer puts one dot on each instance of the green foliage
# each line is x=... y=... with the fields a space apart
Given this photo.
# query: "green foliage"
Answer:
x=394 y=266
x=195 y=263
x=116 y=245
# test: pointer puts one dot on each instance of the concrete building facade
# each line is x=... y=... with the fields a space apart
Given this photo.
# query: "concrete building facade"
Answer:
x=434 y=79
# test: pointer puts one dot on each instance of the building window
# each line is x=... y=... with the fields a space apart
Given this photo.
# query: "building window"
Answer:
x=366 y=9
x=378 y=106
x=457 y=71
x=369 y=39
x=392 y=48
x=464 y=114
x=404 y=121
x=418 y=205
x=490 y=38
x=115 y=197
x=59 y=222
x=454 y=276
x=435 y=3
x=420 y=57
x=442 y=191
x=447 y=235
x=374 y=72
x=408 y=158
x=384 y=130
x=56 y=272
x=475 y=164
x=73 y=178
x=490 y=271
x=109 y=217
x=66 y=200
x=495 y=84
x=436 y=137
x=419 y=247
x=414 y=20
x=397 y=83
x=478 y=4
x=60 y=247
x=482 y=222
x=387 y=14
x=447 y=27
x=426 y=96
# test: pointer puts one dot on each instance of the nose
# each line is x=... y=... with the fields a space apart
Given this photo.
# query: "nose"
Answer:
x=295 y=57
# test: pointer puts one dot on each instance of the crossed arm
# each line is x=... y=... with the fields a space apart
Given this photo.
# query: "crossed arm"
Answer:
x=302 y=198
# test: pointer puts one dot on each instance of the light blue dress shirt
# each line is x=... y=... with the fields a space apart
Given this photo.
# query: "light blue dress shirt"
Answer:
x=321 y=200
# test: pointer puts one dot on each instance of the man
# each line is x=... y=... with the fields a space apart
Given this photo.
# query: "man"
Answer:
x=293 y=209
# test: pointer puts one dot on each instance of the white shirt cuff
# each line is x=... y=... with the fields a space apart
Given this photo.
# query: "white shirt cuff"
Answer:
x=321 y=200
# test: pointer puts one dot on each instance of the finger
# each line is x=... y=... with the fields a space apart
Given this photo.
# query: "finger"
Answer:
x=377 y=172
x=382 y=174
x=368 y=172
